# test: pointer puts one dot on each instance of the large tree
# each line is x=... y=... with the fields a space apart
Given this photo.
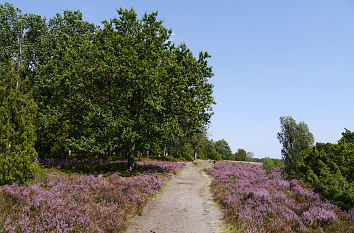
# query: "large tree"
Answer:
x=124 y=87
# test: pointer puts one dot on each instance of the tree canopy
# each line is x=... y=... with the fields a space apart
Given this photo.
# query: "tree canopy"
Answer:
x=122 y=88
x=223 y=148
x=296 y=140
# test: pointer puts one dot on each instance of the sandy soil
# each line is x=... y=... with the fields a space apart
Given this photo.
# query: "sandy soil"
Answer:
x=184 y=206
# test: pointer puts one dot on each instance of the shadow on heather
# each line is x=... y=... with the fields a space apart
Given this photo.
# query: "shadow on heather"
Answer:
x=108 y=167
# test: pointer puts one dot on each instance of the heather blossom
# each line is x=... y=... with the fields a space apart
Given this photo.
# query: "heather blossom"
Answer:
x=261 y=202
x=83 y=203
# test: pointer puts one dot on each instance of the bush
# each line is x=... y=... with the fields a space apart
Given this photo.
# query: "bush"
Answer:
x=214 y=155
x=278 y=163
x=326 y=178
x=17 y=131
x=188 y=152
x=268 y=165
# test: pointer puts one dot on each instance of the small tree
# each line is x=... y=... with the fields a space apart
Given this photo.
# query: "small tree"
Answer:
x=268 y=165
x=297 y=142
x=17 y=130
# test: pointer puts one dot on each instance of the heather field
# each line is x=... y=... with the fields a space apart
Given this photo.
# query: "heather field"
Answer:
x=72 y=202
x=256 y=202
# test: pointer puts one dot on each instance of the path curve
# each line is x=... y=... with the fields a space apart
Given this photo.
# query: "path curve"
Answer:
x=184 y=206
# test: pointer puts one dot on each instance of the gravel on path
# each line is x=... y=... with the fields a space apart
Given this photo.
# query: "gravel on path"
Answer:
x=184 y=206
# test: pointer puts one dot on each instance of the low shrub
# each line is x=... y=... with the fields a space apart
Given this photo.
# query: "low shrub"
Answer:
x=268 y=165
x=268 y=203
x=79 y=203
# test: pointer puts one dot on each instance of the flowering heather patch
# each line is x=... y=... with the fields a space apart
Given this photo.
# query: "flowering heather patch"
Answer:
x=78 y=203
x=160 y=166
x=257 y=202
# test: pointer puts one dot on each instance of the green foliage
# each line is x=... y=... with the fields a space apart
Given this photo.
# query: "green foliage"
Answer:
x=347 y=137
x=268 y=165
x=208 y=149
x=342 y=154
x=188 y=152
x=10 y=27
x=213 y=154
x=223 y=148
x=28 y=29
x=250 y=157
x=326 y=179
x=19 y=36
x=241 y=155
x=297 y=141
x=17 y=130
x=122 y=89
x=200 y=142
x=54 y=113
x=327 y=167
x=125 y=87
x=278 y=163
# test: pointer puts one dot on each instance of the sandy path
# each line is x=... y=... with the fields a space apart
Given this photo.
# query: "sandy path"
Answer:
x=185 y=206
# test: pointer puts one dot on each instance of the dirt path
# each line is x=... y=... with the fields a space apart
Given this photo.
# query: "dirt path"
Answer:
x=185 y=206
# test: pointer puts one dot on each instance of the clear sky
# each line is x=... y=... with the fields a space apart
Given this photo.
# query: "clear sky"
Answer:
x=270 y=58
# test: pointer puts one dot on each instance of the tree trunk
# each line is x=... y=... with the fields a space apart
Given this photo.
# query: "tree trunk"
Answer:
x=20 y=50
x=19 y=56
x=131 y=161
x=164 y=150
x=195 y=153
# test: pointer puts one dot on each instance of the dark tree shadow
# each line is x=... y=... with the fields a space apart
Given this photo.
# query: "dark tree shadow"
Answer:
x=100 y=167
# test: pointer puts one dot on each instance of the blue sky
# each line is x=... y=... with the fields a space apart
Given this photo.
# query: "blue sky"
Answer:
x=270 y=59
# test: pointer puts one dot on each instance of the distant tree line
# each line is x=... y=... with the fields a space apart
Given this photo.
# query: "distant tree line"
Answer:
x=327 y=167
x=71 y=87
x=205 y=148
